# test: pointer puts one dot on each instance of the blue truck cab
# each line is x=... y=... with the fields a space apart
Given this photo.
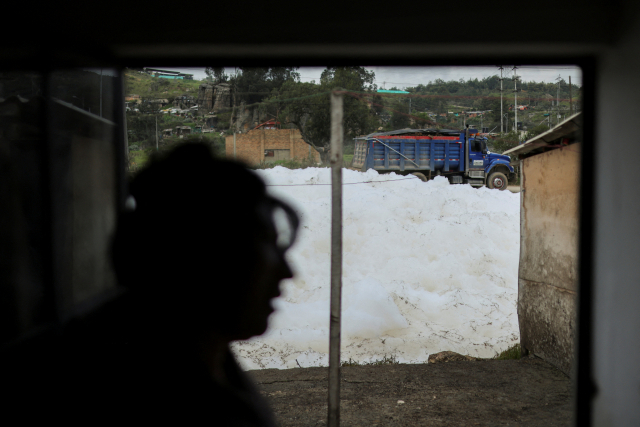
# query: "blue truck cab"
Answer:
x=461 y=156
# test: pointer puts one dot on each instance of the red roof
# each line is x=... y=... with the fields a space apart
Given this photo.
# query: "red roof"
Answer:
x=267 y=123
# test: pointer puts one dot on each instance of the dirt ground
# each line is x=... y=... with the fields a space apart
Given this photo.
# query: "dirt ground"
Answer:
x=525 y=392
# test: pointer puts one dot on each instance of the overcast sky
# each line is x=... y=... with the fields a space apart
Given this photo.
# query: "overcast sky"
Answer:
x=412 y=76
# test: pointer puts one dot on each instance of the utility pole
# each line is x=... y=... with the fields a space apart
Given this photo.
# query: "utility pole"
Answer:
x=570 y=98
x=501 y=120
x=515 y=94
x=337 y=132
x=558 y=100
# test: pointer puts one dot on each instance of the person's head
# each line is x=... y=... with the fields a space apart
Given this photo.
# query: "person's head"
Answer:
x=203 y=244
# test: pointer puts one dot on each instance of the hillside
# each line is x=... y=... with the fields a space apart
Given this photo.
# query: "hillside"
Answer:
x=257 y=94
x=146 y=86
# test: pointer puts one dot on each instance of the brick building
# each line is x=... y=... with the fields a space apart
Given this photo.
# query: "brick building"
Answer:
x=269 y=145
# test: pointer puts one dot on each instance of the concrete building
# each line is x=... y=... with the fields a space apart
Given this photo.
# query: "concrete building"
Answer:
x=269 y=145
x=168 y=74
x=548 y=270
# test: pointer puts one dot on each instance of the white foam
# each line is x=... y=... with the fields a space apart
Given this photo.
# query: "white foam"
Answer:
x=426 y=267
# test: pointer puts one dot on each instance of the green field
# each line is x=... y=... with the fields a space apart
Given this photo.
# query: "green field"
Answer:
x=155 y=87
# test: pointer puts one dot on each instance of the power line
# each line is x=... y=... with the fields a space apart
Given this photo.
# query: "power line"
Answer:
x=344 y=183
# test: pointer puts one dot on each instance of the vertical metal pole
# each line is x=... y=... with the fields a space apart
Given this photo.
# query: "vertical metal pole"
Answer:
x=466 y=152
x=501 y=113
x=558 y=100
x=515 y=94
x=336 y=258
x=570 y=98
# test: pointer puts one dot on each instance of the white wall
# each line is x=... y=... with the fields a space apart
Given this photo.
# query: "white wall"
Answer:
x=616 y=362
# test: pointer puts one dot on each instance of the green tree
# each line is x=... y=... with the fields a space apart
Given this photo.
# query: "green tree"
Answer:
x=216 y=74
x=505 y=142
x=541 y=128
x=254 y=84
x=310 y=109
x=399 y=120
x=422 y=120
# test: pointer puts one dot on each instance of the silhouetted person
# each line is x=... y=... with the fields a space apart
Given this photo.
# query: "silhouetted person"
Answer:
x=201 y=257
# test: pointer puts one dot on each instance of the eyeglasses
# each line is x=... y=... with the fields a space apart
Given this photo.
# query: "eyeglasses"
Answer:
x=286 y=222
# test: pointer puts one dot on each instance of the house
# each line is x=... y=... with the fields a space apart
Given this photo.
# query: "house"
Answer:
x=548 y=271
x=168 y=74
x=269 y=145
x=181 y=131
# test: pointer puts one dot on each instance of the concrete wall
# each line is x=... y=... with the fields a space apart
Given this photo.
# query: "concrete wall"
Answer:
x=250 y=146
x=548 y=272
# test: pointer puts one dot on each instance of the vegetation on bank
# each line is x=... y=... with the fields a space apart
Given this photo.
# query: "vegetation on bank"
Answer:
x=377 y=362
x=511 y=353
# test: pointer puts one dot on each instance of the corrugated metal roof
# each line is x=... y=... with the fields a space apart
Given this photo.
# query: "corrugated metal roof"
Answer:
x=542 y=141
x=391 y=91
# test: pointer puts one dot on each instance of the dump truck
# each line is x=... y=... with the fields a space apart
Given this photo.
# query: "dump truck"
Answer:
x=459 y=155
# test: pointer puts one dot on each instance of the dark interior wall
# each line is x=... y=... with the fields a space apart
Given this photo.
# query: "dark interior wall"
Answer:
x=59 y=197
x=616 y=269
x=84 y=191
x=120 y=28
x=337 y=21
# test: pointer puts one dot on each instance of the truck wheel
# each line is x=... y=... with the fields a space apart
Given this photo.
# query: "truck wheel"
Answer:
x=497 y=180
x=420 y=175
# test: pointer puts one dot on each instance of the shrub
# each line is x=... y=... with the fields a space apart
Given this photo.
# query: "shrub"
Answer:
x=378 y=362
x=512 y=352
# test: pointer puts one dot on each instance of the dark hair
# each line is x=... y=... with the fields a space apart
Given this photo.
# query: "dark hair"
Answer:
x=192 y=233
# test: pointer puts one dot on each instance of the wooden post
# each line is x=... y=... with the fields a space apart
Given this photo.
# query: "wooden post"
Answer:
x=262 y=146
x=336 y=258
x=234 y=146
